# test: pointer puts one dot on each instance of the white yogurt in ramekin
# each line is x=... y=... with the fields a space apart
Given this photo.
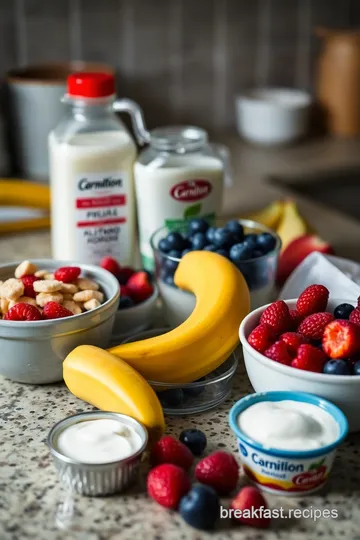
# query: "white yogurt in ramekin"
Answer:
x=287 y=440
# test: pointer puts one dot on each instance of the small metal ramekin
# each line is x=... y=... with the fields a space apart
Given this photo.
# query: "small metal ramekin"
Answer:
x=97 y=479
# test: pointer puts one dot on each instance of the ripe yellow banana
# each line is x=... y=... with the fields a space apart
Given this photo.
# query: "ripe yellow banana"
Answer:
x=208 y=336
x=110 y=384
x=269 y=216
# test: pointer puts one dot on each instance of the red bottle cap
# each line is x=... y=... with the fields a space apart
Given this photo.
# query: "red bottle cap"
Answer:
x=91 y=85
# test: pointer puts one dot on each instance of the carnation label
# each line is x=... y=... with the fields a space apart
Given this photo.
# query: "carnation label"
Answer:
x=101 y=210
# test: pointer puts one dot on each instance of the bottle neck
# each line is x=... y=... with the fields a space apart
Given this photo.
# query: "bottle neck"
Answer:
x=82 y=108
x=178 y=139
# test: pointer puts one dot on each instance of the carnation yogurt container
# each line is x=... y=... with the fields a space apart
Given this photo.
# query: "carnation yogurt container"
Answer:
x=287 y=440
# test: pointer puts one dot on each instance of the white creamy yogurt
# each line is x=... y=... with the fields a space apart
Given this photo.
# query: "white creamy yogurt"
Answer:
x=288 y=425
x=98 y=441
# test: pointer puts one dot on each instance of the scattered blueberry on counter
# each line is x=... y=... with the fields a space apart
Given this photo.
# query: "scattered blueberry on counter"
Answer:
x=230 y=241
x=195 y=440
x=200 y=507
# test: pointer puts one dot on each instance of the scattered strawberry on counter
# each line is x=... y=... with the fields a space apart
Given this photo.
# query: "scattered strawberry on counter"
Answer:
x=169 y=484
x=309 y=337
x=135 y=286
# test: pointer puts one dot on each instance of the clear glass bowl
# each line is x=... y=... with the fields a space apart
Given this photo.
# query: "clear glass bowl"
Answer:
x=260 y=274
x=196 y=397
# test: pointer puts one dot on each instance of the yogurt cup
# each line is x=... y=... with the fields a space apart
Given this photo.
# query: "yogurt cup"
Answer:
x=287 y=472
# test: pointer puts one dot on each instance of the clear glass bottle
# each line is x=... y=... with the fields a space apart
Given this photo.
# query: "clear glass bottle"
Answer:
x=91 y=174
x=179 y=176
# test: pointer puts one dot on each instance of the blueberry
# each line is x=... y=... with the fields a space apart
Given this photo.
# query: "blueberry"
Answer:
x=200 y=507
x=164 y=245
x=195 y=440
x=170 y=265
x=175 y=241
x=210 y=247
x=198 y=241
x=196 y=391
x=126 y=302
x=222 y=237
x=210 y=234
x=337 y=367
x=185 y=251
x=240 y=252
x=266 y=242
x=171 y=398
x=169 y=279
x=356 y=367
x=342 y=311
x=222 y=252
x=236 y=229
x=198 y=225
x=257 y=253
x=250 y=240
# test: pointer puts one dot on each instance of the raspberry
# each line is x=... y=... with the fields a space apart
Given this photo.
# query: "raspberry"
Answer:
x=277 y=316
x=312 y=300
x=167 y=484
x=313 y=326
x=111 y=265
x=296 y=318
x=279 y=353
x=309 y=358
x=355 y=316
x=28 y=282
x=293 y=341
x=124 y=291
x=250 y=498
x=67 y=274
x=341 y=339
x=170 y=450
x=218 y=470
x=54 y=310
x=139 y=287
x=23 y=312
x=262 y=337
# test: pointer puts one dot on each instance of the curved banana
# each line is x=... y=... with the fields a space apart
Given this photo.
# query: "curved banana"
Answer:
x=208 y=336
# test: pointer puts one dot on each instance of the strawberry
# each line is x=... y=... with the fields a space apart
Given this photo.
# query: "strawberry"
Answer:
x=341 y=339
x=296 y=318
x=125 y=274
x=246 y=502
x=313 y=326
x=170 y=450
x=219 y=470
x=28 y=282
x=124 y=291
x=167 y=484
x=277 y=316
x=279 y=353
x=67 y=274
x=54 y=310
x=312 y=300
x=354 y=316
x=139 y=287
x=293 y=340
x=23 y=312
x=111 y=265
x=309 y=358
x=262 y=337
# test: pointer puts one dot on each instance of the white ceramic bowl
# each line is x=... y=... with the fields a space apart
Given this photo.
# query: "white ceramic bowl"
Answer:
x=135 y=319
x=266 y=375
x=273 y=115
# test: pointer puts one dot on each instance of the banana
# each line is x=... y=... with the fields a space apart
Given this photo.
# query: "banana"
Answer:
x=208 y=336
x=269 y=216
x=292 y=225
x=23 y=193
x=108 y=383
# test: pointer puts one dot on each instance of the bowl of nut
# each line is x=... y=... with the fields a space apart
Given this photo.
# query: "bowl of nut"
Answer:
x=47 y=309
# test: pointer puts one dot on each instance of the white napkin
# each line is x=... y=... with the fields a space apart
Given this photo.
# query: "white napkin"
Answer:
x=337 y=274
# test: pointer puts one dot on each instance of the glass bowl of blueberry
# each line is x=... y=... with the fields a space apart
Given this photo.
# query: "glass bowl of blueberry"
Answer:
x=195 y=397
x=252 y=247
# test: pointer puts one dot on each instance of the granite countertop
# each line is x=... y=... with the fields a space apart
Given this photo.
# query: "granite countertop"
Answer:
x=33 y=505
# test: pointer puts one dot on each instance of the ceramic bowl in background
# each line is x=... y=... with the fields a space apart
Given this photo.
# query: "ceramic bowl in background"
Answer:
x=179 y=399
x=266 y=375
x=33 y=351
x=273 y=115
x=287 y=472
x=97 y=479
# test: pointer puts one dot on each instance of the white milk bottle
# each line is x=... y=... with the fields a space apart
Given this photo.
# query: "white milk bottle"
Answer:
x=91 y=175
x=178 y=177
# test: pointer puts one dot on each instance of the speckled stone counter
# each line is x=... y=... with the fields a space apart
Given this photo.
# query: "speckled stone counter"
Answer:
x=34 y=506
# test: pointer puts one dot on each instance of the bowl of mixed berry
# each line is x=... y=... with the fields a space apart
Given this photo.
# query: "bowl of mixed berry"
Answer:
x=250 y=246
x=310 y=344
